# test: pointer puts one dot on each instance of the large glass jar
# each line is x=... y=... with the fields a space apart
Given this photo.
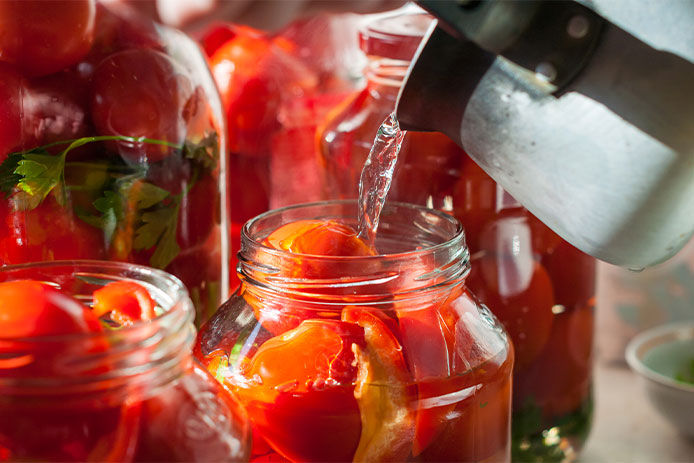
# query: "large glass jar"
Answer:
x=111 y=144
x=539 y=286
x=381 y=356
x=131 y=393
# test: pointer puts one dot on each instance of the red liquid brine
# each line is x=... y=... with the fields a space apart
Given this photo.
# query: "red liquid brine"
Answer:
x=95 y=365
x=345 y=351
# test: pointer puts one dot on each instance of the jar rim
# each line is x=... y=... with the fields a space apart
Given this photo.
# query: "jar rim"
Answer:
x=105 y=364
x=175 y=289
x=458 y=235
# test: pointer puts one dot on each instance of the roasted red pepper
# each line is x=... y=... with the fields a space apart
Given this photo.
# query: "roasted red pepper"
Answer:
x=298 y=390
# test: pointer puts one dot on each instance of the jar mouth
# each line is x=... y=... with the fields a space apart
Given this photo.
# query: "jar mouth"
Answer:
x=395 y=35
x=420 y=250
x=146 y=354
x=166 y=290
x=450 y=230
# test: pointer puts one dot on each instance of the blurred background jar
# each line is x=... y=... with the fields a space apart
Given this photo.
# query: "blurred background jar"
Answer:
x=275 y=88
x=87 y=390
x=540 y=287
x=361 y=355
x=112 y=144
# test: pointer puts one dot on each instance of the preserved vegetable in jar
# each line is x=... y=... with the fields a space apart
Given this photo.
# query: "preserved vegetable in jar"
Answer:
x=96 y=365
x=341 y=351
x=111 y=144
x=540 y=287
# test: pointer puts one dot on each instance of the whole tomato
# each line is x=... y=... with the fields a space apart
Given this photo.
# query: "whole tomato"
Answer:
x=55 y=109
x=253 y=73
x=44 y=36
x=198 y=212
x=515 y=286
x=30 y=308
x=307 y=238
x=11 y=85
x=48 y=232
x=299 y=391
x=558 y=382
x=141 y=93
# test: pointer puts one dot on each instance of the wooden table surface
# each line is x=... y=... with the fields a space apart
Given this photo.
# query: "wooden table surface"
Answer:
x=626 y=427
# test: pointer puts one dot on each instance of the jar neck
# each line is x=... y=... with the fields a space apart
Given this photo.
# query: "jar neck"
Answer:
x=385 y=76
x=423 y=253
x=110 y=366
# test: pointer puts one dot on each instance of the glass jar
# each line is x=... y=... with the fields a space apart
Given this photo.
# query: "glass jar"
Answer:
x=113 y=145
x=129 y=394
x=363 y=358
x=540 y=287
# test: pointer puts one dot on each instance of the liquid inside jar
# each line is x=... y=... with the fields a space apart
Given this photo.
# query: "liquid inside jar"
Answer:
x=96 y=365
x=345 y=351
x=540 y=287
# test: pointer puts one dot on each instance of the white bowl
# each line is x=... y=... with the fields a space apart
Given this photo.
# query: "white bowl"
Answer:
x=658 y=355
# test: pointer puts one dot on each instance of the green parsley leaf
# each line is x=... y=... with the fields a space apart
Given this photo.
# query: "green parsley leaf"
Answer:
x=8 y=178
x=205 y=152
x=36 y=172
x=159 y=229
x=148 y=195
x=40 y=173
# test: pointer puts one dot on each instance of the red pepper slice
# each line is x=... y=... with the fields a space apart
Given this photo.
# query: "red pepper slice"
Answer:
x=428 y=336
x=387 y=421
x=126 y=301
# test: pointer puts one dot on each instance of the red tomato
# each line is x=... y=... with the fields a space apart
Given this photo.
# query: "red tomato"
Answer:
x=573 y=275
x=559 y=380
x=31 y=308
x=219 y=34
x=474 y=201
x=126 y=301
x=11 y=88
x=522 y=299
x=55 y=109
x=252 y=74
x=48 y=232
x=299 y=391
x=314 y=237
x=141 y=93
x=45 y=36
x=318 y=238
x=198 y=212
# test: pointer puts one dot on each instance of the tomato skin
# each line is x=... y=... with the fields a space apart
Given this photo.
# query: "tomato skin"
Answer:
x=319 y=238
x=11 y=84
x=126 y=301
x=314 y=237
x=299 y=391
x=560 y=379
x=55 y=109
x=31 y=308
x=573 y=275
x=44 y=36
x=141 y=93
x=48 y=232
x=252 y=73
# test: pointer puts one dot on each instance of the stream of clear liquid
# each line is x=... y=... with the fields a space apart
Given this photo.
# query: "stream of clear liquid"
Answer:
x=377 y=175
